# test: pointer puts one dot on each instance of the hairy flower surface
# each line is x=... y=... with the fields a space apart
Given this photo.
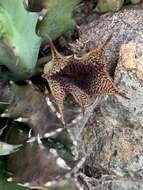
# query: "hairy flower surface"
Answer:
x=82 y=77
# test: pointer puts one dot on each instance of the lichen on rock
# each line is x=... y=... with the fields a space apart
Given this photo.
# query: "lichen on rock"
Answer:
x=132 y=57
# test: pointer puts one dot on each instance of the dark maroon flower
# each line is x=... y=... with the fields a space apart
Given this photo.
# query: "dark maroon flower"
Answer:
x=83 y=77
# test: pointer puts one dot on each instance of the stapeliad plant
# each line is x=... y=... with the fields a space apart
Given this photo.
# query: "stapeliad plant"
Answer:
x=58 y=19
x=19 y=43
x=19 y=49
x=109 y=5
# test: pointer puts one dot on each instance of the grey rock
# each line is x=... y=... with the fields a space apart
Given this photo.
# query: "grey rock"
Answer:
x=110 y=182
x=125 y=26
x=112 y=139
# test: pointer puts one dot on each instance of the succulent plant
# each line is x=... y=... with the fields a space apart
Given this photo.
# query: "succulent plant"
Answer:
x=58 y=19
x=19 y=44
x=109 y=5
x=135 y=1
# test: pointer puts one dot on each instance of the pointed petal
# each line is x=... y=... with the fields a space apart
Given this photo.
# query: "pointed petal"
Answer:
x=95 y=56
x=103 y=85
x=59 y=95
x=59 y=61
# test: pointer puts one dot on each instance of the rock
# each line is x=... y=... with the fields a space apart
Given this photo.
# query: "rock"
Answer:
x=109 y=183
x=112 y=140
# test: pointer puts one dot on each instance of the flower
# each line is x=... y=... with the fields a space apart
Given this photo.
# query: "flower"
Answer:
x=82 y=77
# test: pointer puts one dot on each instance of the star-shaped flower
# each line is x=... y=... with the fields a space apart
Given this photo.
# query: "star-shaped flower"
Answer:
x=82 y=77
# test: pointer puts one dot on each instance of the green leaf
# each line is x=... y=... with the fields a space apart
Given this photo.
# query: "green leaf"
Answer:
x=109 y=5
x=19 y=45
x=58 y=19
